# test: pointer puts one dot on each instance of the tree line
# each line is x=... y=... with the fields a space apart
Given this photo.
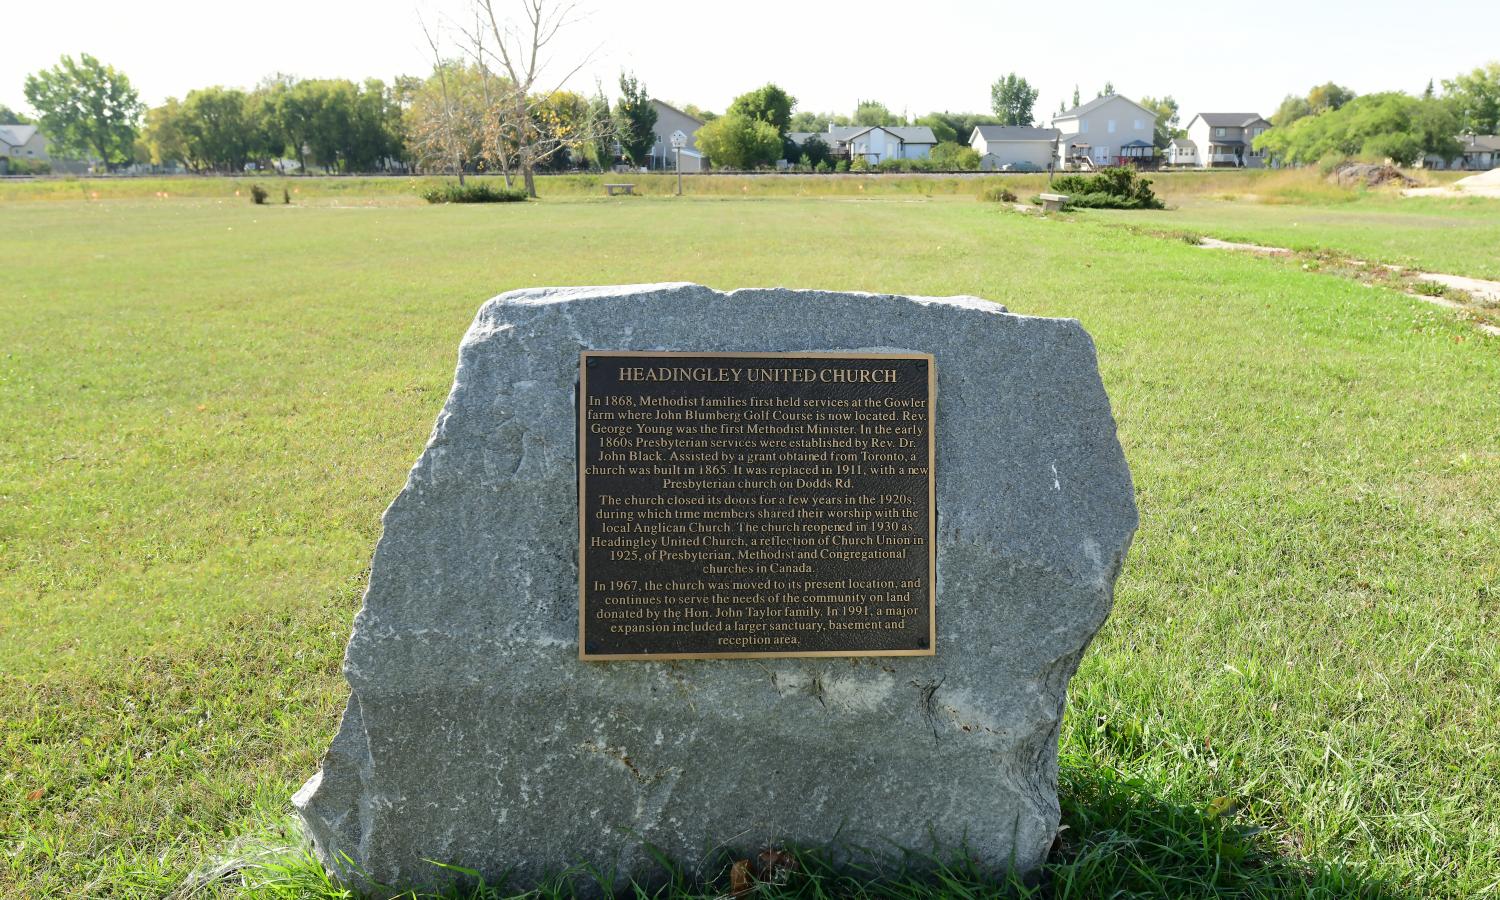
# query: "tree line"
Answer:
x=483 y=109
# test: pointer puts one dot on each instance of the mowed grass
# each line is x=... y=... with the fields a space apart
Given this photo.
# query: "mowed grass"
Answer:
x=205 y=406
x=1457 y=236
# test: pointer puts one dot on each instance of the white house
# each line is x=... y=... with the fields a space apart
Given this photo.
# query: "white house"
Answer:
x=21 y=142
x=1017 y=148
x=1182 y=152
x=670 y=119
x=1226 y=139
x=1480 y=152
x=1106 y=131
x=874 y=142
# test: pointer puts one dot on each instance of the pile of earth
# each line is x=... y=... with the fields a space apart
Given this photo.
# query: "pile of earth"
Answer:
x=1490 y=179
x=1369 y=175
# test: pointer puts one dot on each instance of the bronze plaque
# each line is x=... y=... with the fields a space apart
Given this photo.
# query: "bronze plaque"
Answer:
x=755 y=504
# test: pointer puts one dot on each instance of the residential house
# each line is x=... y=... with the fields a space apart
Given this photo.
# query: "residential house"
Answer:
x=670 y=119
x=874 y=142
x=1182 y=152
x=1227 y=139
x=1018 y=148
x=1107 y=131
x=21 y=142
x=1481 y=152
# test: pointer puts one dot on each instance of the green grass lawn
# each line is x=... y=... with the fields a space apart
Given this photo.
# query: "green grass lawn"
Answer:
x=1459 y=236
x=205 y=406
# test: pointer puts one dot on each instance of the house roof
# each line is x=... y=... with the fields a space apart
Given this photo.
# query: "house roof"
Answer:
x=16 y=135
x=1481 y=142
x=1183 y=143
x=1229 y=120
x=993 y=133
x=1084 y=108
x=1137 y=144
x=676 y=110
x=909 y=134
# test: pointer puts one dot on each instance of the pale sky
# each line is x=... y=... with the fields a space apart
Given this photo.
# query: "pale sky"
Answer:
x=913 y=56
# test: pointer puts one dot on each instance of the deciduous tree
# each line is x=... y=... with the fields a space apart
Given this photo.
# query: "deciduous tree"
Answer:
x=86 y=107
x=769 y=104
x=873 y=112
x=1167 y=118
x=1476 y=98
x=1012 y=99
x=740 y=142
x=635 y=118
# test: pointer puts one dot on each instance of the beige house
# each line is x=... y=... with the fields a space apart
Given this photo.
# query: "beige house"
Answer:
x=1227 y=140
x=1481 y=152
x=1015 y=148
x=1107 y=131
x=21 y=142
x=670 y=119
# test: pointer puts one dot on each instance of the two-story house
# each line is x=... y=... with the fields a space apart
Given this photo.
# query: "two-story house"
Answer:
x=670 y=119
x=1106 y=131
x=874 y=142
x=1227 y=139
x=1014 y=148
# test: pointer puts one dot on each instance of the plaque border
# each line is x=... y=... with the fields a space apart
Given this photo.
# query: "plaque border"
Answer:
x=582 y=479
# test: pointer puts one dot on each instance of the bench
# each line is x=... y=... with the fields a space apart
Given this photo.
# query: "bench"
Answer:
x=1052 y=202
x=613 y=189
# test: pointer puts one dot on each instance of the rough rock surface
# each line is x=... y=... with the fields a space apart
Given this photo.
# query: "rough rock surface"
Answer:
x=474 y=736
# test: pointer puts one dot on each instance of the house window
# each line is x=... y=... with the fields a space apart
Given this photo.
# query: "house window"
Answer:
x=1218 y=132
x=1083 y=127
x=1111 y=126
x=1138 y=125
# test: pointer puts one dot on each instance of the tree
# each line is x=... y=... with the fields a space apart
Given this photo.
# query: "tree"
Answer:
x=956 y=126
x=1374 y=127
x=1291 y=109
x=942 y=129
x=635 y=118
x=1476 y=98
x=740 y=142
x=815 y=121
x=601 y=149
x=1075 y=97
x=1108 y=89
x=9 y=116
x=873 y=112
x=769 y=104
x=217 y=129
x=163 y=138
x=699 y=112
x=518 y=110
x=1328 y=96
x=86 y=107
x=1012 y=98
x=444 y=117
x=954 y=156
x=1167 y=119
x=815 y=150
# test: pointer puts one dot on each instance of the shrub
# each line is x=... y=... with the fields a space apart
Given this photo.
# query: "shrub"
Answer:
x=998 y=194
x=258 y=194
x=859 y=163
x=1118 y=187
x=478 y=192
x=14 y=165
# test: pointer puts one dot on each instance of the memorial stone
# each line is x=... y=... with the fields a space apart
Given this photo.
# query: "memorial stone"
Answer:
x=857 y=628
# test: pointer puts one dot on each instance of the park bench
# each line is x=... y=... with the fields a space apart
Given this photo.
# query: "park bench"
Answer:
x=613 y=189
x=1053 y=202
